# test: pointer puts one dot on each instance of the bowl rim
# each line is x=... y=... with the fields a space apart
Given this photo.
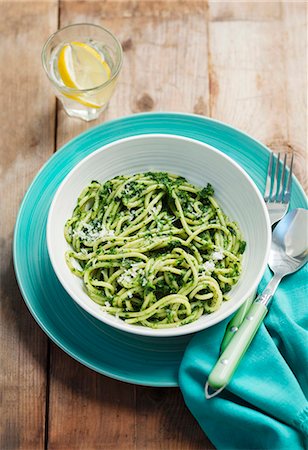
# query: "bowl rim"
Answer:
x=144 y=331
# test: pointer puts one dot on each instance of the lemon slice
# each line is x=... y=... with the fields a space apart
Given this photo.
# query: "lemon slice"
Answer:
x=82 y=67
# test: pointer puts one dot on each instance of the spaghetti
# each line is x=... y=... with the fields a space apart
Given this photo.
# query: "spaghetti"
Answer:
x=153 y=249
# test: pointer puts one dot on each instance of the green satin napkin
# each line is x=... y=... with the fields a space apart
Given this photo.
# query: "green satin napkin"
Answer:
x=265 y=405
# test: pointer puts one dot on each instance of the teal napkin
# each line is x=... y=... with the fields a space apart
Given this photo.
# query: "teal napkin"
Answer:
x=264 y=406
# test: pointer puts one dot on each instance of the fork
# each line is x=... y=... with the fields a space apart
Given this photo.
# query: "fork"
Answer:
x=277 y=198
x=278 y=189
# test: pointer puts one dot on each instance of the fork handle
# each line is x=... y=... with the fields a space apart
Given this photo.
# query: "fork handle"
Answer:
x=231 y=357
x=236 y=321
x=234 y=352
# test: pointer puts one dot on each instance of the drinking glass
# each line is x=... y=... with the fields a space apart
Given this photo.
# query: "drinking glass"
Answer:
x=86 y=104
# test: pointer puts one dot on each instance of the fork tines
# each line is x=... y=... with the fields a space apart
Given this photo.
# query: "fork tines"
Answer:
x=279 y=179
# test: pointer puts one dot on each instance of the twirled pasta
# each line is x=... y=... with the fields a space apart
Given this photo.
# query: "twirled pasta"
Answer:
x=153 y=249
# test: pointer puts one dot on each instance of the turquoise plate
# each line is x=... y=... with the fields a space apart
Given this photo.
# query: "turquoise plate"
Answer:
x=135 y=359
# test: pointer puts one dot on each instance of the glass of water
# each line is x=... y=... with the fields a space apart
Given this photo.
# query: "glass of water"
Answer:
x=83 y=62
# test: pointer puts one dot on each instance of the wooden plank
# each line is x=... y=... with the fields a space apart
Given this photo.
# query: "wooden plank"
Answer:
x=258 y=63
x=27 y=140
x=236 y=11
x=243 y=55
x=104 y=413
x=295 y=50
x=88 y=411
x=164 y=422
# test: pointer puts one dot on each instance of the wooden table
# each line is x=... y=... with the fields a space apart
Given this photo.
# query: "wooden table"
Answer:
x=243 y=63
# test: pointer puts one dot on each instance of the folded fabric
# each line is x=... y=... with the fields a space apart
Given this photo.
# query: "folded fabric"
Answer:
x=265 y=405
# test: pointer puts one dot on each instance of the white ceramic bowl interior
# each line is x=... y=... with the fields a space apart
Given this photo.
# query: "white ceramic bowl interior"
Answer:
x=200 y=164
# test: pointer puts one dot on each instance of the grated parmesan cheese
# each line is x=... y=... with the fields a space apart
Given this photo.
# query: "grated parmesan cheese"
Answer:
x=131 y=273
x=91 y=233
x=208 y=267
x=218 y=256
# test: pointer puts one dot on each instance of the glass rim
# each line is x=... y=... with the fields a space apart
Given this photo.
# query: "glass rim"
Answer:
x=76 y=90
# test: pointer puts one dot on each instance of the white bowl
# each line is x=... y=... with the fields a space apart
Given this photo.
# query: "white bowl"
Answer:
x=200 y=164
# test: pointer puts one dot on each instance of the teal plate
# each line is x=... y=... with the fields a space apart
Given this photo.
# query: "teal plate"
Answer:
x=135 y=359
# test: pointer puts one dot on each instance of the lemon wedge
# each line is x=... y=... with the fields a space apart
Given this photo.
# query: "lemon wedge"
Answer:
x=82 y=67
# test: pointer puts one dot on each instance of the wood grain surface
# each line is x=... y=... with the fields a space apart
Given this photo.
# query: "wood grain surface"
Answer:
x=27 y=117
x=244 y=63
